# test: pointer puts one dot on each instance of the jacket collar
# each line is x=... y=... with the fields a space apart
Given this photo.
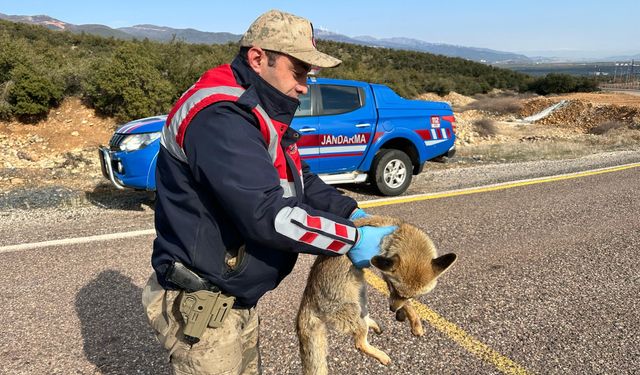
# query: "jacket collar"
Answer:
x=278 y=106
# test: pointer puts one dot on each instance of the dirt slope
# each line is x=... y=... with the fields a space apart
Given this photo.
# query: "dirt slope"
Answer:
x=57 y=150
x=585 y=111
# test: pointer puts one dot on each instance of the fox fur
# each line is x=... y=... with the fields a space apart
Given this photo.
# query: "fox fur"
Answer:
x=335 y=295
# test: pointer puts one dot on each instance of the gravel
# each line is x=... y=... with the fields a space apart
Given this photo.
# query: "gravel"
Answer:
x=435 y=177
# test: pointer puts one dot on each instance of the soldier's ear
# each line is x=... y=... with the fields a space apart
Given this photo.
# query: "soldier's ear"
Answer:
x=386 y=264
x=255 y=58
x=442 y=263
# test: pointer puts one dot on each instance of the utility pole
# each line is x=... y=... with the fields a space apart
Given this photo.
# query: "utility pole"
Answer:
x=628 y=73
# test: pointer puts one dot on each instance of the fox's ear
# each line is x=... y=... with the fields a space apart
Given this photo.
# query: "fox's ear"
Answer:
x=371 y=221
x=376 y=221
x=442 y=263
x=384 y=263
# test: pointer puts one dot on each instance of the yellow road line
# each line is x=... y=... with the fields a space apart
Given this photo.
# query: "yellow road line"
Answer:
x=455 y=333
x=452 y=331
x=449 y=329
x=484 y=189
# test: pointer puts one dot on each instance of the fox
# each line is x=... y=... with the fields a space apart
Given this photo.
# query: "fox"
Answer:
x=335 y=294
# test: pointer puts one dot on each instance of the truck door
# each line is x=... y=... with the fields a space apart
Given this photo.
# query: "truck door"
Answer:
x=347 y=120
x=306 y=123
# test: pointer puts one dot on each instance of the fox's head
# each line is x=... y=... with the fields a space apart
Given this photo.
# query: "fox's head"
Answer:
x=408 y=261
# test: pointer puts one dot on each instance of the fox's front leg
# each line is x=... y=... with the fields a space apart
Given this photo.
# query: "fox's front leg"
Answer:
x=404 y=309
x=414 y=319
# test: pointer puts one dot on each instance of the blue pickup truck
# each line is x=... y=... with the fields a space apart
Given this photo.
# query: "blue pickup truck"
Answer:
x=351 y=131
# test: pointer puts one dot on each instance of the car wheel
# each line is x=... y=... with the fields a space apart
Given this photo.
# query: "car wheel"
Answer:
x=392 y=172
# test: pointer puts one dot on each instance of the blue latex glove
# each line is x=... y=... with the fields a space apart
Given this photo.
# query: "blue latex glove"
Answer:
x=358 y=214
x=368 y=244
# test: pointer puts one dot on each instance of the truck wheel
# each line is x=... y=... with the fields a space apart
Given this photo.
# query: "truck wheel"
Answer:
x=392 y=172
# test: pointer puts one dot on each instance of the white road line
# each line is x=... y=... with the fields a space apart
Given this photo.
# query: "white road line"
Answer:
x=498 y=186
x=364 y=204
x=78 y=240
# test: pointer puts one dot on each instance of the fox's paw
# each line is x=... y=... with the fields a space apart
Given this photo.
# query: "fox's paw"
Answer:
x=416 y=329
x=384 y=359
x=364 y=346
x=373 y=325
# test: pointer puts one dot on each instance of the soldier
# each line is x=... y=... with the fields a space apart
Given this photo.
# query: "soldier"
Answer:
x=236 y=204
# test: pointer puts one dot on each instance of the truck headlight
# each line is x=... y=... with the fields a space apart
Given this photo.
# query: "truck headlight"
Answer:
x=139 y=141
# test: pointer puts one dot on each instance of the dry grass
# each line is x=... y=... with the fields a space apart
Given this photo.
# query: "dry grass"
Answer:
x=606 y=127
x=485 y=127
x=529 y=148
x=503 y=103
x=497 y=105
x=514 y=152
x=618 y=137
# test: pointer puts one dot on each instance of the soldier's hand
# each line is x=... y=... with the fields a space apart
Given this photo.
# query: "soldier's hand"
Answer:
x=358 y=213
x=368 y=244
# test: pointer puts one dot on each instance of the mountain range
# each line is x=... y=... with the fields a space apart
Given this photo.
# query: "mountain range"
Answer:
x=165 y=34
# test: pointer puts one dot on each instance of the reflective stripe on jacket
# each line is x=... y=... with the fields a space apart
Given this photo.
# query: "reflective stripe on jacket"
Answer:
x=219 y=85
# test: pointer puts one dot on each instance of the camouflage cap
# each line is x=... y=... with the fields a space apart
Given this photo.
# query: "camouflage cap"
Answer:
x=287 y=33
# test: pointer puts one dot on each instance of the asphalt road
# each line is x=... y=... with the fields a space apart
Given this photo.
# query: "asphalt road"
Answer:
x=547 y=282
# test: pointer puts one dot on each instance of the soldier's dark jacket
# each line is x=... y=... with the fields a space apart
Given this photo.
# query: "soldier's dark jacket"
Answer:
x=229 y=175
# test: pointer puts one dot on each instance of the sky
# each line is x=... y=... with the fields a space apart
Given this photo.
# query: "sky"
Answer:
x=531 y=27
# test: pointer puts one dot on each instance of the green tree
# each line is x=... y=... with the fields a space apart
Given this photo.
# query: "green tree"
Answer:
x=553 y=83
x=128 y=86
x=12 y=52
x=587 y=84
x=33 y=93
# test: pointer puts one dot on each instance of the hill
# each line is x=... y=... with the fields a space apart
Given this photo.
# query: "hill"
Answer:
x=482 y=55
x=138 y=78
x=165 y=34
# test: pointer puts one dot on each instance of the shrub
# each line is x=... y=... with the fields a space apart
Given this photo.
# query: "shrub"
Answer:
x=554 y=83
x=182 y=64
x=10 y=55
x=6 y=110
x=33 y=93
x=128 y=86
x=74 y=75
x=441 y=86
x=605 y=127
x=586 y=84
x=497 y=105
x=485 y=127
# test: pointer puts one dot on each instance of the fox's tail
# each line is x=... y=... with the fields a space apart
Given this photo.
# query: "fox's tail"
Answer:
x=312 y=334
